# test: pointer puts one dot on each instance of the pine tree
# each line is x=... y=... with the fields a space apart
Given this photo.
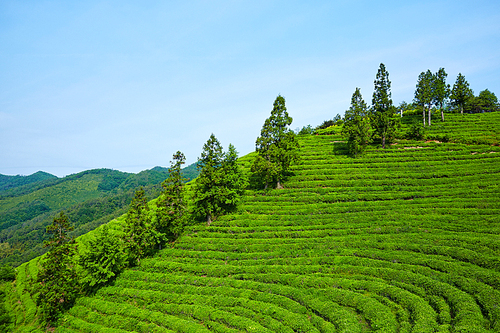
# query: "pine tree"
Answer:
x=461 y=92
x=209 y=184
x=234 y=181
x=441 y=90
x=220 y=184
x=357 y=125
x=276 y=146
x=57 y=281
x=140 y=237
x=383 y=112
x=424 y=93
x=171 y=207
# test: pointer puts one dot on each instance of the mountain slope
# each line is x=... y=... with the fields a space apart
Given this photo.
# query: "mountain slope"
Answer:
x=9 y=182
x=89 y=198
x=400 y=240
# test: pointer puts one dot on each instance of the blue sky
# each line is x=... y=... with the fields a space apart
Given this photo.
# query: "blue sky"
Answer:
x=124 y=85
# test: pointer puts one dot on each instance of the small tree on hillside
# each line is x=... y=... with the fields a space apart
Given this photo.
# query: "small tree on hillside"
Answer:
x=220 y=183
x=234 y=181
x=103 y=260
x=424 y=93
x=357 y=125
x=171 y=207
x=383 y=117
x=276 y=146
x=140 y=237
x=461 y=93
x=57 y=281
x=208 y=187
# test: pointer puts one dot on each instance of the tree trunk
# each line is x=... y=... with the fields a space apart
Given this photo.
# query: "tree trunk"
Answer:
x=429 y=116
x=442 y=114
x=278 y=185
x=383 y=141
x=461 y=109
x=209 y=219
x=423 y=114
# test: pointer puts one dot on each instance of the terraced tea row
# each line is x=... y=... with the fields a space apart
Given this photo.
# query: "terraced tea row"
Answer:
x=400 y=240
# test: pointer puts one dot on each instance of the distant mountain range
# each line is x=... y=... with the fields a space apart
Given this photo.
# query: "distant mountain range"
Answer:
x=89 y=198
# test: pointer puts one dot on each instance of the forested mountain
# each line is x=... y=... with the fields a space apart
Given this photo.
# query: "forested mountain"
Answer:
x=29 y=203
x=401 y=239
x=9 y=182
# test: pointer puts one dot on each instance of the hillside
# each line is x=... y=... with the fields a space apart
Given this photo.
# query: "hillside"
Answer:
x=90 y=198
x=9 y=182
x=403 y=239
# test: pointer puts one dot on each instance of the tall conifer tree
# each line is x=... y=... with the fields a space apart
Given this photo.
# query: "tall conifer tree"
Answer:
x=140 y=237
x=276 y=146
x=57 y=280
x=424 y=93
x=208 y=187
x=171 y=206
x=220 y=182
x=461 y=93
x=383 y=119
x=357 y=125
x=441 y=90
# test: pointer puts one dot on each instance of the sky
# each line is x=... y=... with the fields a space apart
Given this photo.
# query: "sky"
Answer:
x=125 y=84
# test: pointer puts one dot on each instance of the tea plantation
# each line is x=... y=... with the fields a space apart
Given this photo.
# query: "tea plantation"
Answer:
x=403 y=239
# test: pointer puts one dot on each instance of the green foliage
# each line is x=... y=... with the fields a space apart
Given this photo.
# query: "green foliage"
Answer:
x=306 y=130
x=57 y=281
x=383 y=113
x=171 y=207
x=357 y=125
x=89 y=198
x=461 y=93
x=441 y=90
x=276 y=147
x=424 y=94
x=7 y=273
x=220 y=183
x=488 y=101
x=485 y=101
x=104 y=259
x=140 y=236
x=5 y=316
x=336 y=121
x=234 y=180
x=416 y=131
x=10 y=182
